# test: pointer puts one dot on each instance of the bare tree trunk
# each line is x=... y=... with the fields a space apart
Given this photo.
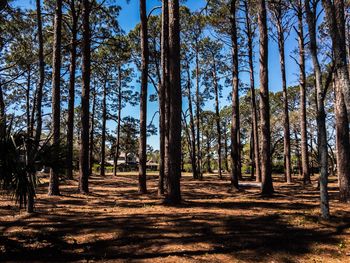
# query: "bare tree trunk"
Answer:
x=266 y=186
x=92 y=130
x=56 y=92
x=117 y=146
x=39 y=94
x=321 y=114
x=164 y=100
x=217 y=117
x=28 y=100
x=192 y=128
x=2 y=112
x=174 y=193
x=255 y=137
x=235 y=173
x=143 y=99
x=302 y=84
x=85 y=96
x=225 y=147
x=103 y=136
x=198 y=111
x=336 y=23
x=71 y=100
x=286 y=129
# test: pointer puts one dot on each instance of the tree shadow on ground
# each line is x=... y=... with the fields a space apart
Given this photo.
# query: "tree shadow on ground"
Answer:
x=115 y=224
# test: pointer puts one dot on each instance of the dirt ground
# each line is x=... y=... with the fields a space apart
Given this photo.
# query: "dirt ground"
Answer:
x=116 y=224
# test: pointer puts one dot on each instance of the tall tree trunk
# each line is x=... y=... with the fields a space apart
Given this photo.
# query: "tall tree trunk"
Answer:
x=198 y=111
x=2 y=112
x=56 y=92
x=192 y=126
x=174 y=193
x=71 y=100
x=266 y=176
x=235 y=173
x=208 y=156
x=92 y=131
x=225 y=147
x=40 y=87
x=143 y=99
x=286 y=129
x=163 y=99
x=250 y=36
x=321 y=114
x=28 y=100
x=120 y=97
x=302 y=84
x=217 y=119
x=336 y=23
x=86 y=68
x=103 y=136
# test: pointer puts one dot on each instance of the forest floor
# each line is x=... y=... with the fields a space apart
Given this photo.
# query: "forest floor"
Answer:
x=116 y=224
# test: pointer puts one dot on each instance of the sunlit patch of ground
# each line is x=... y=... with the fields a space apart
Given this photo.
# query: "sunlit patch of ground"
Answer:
x=116 y=224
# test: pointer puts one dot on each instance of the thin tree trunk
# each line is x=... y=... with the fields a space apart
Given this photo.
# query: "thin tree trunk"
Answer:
x=217 y=118
x=226 y=147
x=192 y=126
x=198 y=111
x=39 y=94
x=174 y=193
x=103 y=136
x=120 y=97
x=266 y=186
x=2 y=112
x=28 y=100
x=321 y=114
x=86 y=67
x=252 y=91
x=286 y=129
x=302 y=84
x=164 y=100
x=56 y=92
x=143 y=99
x=235 y=173
x=92 y=130
x=71 y=100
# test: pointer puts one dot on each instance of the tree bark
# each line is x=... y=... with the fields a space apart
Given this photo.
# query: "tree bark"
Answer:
x=71 y=100
x=255 y=137
x=164 y=100
x=120 y=98
x=217 y=118
x=336 y=24
x=143 y=99
x=235 y=173
x=321 y=114
x=56 y=92
x=86 y=67
x=198 y=111
x=192 y=126
x=174 y=192
x=286 y=128
x=302 y=84
x=103 y=135
x=28 y=100
x=2 y=112
x=40 y=87
x=92 y=130
x=266 y=186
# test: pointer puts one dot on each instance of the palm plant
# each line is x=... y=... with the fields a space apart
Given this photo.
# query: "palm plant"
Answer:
x=20 y=157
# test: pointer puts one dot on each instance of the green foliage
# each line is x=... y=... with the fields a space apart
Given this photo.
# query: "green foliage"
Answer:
x=19 y=160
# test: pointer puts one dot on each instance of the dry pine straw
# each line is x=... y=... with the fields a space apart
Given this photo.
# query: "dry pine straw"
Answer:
x=214 y=224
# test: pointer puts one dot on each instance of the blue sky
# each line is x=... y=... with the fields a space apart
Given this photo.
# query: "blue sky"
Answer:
x=129 y=17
